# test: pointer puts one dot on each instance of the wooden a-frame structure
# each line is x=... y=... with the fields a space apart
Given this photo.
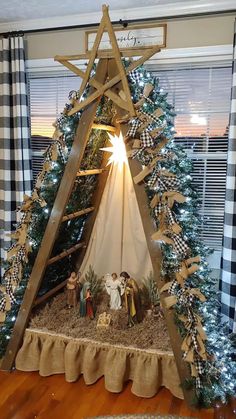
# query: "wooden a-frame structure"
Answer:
x=110 y=80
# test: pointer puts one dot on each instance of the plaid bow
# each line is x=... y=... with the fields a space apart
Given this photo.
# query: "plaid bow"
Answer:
x=166 y=183
x=146 y=139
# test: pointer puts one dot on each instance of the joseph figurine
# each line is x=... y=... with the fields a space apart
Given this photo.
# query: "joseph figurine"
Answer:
x=132 y=299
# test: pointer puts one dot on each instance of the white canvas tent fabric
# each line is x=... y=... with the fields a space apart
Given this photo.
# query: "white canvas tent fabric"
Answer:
x=118 y=242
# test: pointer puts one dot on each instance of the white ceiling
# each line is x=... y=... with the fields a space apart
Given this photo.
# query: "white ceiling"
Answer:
x=15 y=10
x=33 y=14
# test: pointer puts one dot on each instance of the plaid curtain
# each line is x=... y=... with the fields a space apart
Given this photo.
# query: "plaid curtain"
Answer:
x=15 y=156
x=228 y=273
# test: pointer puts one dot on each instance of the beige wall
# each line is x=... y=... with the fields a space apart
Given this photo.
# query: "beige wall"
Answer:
x=217 y=30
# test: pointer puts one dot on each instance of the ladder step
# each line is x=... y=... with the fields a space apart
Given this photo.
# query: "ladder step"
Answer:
x=104 y=127
x=50 y=293
x=77 y=214
x=89 y=172
x=65 y=253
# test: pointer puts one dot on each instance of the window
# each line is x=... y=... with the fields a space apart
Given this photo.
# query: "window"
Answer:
x=48 y=94
x=201 y=97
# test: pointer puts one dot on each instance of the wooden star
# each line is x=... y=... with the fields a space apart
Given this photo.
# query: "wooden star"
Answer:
x=124 y=102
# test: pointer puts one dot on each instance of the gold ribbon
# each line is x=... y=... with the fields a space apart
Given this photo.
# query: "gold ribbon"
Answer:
x=29 y=200
x=148 y=88
x=45 y=169
x=188 y=267
x=148 y=169
x=172 y=300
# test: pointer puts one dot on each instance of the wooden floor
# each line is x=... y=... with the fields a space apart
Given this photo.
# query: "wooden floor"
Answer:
x=29 y=396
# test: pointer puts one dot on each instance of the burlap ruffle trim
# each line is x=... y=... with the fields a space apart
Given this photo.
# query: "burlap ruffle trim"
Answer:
x=51 y=353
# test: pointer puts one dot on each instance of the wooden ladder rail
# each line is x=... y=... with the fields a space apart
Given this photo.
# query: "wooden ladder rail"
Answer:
x=155 y=252
x=58 y=210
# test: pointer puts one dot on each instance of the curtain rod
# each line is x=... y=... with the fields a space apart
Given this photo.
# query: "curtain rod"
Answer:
x=122 y=22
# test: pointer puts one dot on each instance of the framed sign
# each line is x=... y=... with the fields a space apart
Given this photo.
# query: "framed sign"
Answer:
x=131 y=37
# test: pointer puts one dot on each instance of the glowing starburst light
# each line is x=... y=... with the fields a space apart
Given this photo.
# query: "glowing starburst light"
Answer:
x=118 y=151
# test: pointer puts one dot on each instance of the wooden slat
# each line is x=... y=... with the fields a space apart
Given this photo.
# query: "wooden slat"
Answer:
x=77 y=214
x=155 y=255
x=89 y=172
x=133 y=52
x=104 y=127
x=117 y=57
x=50 y=293
x=94 y=83
x=92 y=56
x=58 y=210
x=105 y=88
x=68 y=252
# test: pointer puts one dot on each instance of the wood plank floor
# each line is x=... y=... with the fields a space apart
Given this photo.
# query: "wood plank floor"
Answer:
x=29 y=396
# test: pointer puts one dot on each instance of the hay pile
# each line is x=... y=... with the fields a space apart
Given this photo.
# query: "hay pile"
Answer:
x=56 y=317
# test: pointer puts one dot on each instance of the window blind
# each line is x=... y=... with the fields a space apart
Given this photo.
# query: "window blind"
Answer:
x=48 y=93
x=201 y=97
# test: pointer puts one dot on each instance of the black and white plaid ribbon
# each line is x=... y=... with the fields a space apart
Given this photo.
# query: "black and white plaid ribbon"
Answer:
x=3 y=304
x=180 y=246
x=147 y=99
x=170 y=216
x=135 y=76
x=153 y=178
x=185 y=298
x=73 y=94
x=158 y=209
x=9 y=290
x=150 y=116
x=146 y=139
x=135 y=124
x=172 y=288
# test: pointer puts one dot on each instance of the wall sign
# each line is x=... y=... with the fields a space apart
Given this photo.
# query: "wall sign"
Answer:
x=131 y=37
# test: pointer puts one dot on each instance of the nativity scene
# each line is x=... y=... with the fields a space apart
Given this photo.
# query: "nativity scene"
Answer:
x=128 y=210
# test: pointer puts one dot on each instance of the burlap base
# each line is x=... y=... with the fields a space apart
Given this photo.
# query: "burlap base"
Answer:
x=51 y=353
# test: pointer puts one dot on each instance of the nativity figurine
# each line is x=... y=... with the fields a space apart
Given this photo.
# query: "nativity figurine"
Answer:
x=86 y=301
x=115 y=290
x=72 y=286
x=132 y=299
x=104 y=320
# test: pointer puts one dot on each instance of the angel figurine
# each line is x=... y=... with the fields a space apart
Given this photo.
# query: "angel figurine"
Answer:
x=115 y=290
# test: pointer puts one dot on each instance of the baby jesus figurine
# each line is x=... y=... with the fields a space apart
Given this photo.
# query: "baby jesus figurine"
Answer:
x=72 y=289
x=115 y=290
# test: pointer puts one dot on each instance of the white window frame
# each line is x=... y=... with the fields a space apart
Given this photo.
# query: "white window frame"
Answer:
x=204 y=54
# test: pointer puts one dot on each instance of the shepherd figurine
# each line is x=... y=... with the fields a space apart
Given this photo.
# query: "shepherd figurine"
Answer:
x=72 y=290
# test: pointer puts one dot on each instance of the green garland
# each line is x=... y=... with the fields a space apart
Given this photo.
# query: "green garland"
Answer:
x=216 y=380
x=217 y=376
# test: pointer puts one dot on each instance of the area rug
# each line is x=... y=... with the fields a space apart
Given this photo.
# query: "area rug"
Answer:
x=142 y=416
